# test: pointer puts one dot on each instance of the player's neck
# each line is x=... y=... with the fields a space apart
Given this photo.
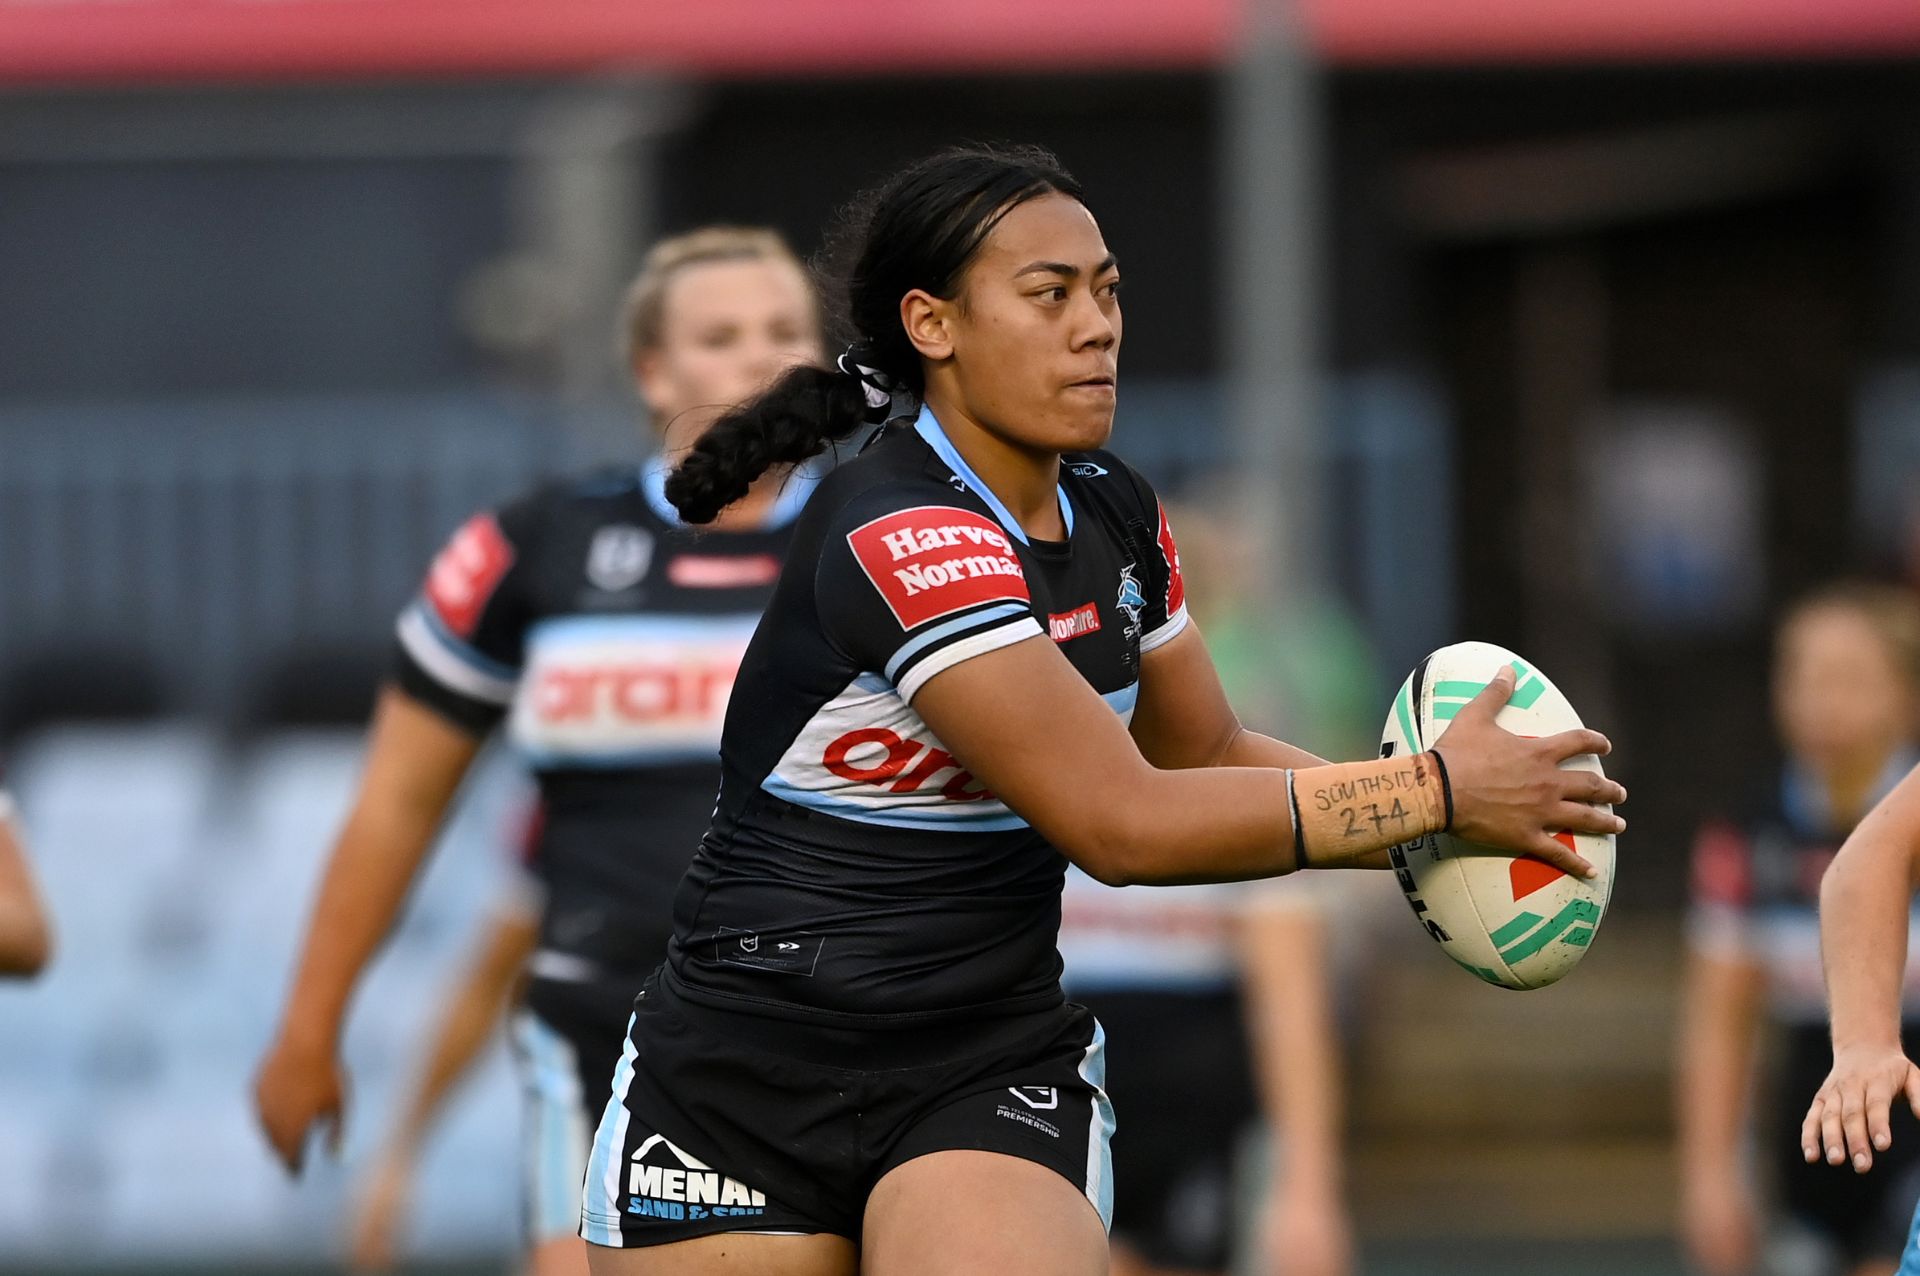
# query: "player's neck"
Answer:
x=1026 y=482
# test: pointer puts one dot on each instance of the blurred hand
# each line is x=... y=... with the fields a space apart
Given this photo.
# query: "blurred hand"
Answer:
x=1720 y=1224
x=1306 y=1233
x=376 y=1228
x=1510 y=793
x=297 y=1088
x=1848 y=1120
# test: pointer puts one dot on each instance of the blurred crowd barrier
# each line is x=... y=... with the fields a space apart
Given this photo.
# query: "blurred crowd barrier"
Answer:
x=180 y=871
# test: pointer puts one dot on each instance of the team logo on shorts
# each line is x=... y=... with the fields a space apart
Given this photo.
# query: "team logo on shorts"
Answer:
x=619 y=556
x=664 y=1182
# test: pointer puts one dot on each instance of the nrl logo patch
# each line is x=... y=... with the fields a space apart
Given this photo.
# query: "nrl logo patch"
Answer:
x=619 y=557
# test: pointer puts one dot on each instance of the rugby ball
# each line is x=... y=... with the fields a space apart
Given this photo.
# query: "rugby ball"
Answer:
x=1514 y=921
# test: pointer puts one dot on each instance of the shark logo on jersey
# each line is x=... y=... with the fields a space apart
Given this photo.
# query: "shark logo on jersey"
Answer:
x=619 y=557
x=1132 y=600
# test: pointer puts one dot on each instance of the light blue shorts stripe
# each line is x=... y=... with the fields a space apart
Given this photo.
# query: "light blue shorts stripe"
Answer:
x=1910 y=1260
x=600 y=1191
x=1100 y=1127
x=554 y=1136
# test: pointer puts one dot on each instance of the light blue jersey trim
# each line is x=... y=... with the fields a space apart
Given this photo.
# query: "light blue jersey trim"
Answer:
x=1123 y=700
x=920 y=643
x=928 y=427
x=905 y=817
x=697 y=629
x=458 y=649
x=786 y=506
x=624 y=760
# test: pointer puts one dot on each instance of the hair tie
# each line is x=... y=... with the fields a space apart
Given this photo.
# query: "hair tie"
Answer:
x=880 y=389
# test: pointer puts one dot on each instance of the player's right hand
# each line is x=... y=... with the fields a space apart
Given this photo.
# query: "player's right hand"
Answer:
x=1720 y=1224
x=1510 y=792
x=297 y=1088
x=1850 y=1116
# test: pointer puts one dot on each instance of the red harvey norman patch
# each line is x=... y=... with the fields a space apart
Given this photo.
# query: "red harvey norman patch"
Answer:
x=934 y=560
x=466 y=573
x=1063 y=625
x=1176 y=587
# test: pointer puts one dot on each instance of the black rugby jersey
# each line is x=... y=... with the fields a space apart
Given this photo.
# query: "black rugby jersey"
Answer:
x=856 y=872
x=607 y=634
x=1756 y=890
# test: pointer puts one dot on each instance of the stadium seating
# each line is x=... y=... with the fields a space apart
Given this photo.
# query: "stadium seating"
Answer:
x=180 y=869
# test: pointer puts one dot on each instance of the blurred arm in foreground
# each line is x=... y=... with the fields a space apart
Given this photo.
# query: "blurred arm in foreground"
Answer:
x=416 y=760
x=26 y=934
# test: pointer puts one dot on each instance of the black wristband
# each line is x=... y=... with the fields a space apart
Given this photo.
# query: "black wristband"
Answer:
x=1299 y=830
x=1446 y=787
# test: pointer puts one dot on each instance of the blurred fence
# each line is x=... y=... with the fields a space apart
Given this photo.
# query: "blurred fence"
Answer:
x=242 y=558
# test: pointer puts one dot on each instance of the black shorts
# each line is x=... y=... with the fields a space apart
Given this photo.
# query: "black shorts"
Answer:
x=1864 y=1217
x=1181 y=1072
x=722 y=1121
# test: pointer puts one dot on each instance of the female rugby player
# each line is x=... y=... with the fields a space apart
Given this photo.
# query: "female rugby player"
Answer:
x=607 y=633
x=1847 y=698
x=1866 y=903
x=977 y=661
x=26 y=937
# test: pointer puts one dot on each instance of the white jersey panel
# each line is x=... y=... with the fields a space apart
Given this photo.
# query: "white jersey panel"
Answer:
x=627 y=690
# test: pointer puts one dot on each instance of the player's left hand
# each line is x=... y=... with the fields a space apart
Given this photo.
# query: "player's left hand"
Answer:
x=1306 y=1232
x=1849 y=1119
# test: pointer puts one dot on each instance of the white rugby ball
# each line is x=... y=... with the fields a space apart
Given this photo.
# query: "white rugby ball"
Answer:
x=1515 y=922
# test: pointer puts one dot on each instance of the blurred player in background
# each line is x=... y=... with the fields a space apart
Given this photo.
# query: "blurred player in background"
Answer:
x=1846 y=696
x=607 y=635
x=1220 y=998
x=26 y=935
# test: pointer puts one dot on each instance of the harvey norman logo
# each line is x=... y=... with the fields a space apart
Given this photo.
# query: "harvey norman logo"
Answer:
x=935 y=560
x=665 y=1182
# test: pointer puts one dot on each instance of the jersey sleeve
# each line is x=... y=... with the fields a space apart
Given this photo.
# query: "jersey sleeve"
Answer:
x=1720 y=916
x=461 y=639
x=913 y=585
x=1165 y=612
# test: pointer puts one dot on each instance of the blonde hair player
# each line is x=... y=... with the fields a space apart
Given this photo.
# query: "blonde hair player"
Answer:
x=1846 y=698
x=605 y=634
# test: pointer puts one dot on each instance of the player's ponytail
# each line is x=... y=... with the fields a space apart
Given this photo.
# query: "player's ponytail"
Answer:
x=792 y=420
x=919 y=230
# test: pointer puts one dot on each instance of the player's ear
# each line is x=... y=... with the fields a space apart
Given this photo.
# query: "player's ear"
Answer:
x=929 y=323
x=649 y=378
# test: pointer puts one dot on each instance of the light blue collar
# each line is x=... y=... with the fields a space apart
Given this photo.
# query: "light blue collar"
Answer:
x=929 y=429
x=786 y=507
x=1805 y=797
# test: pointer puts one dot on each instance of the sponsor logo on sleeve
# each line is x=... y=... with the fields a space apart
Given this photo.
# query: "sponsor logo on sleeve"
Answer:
x=1065 y=625
x=1176 y=586
x=934 y=560
x=466 y=572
